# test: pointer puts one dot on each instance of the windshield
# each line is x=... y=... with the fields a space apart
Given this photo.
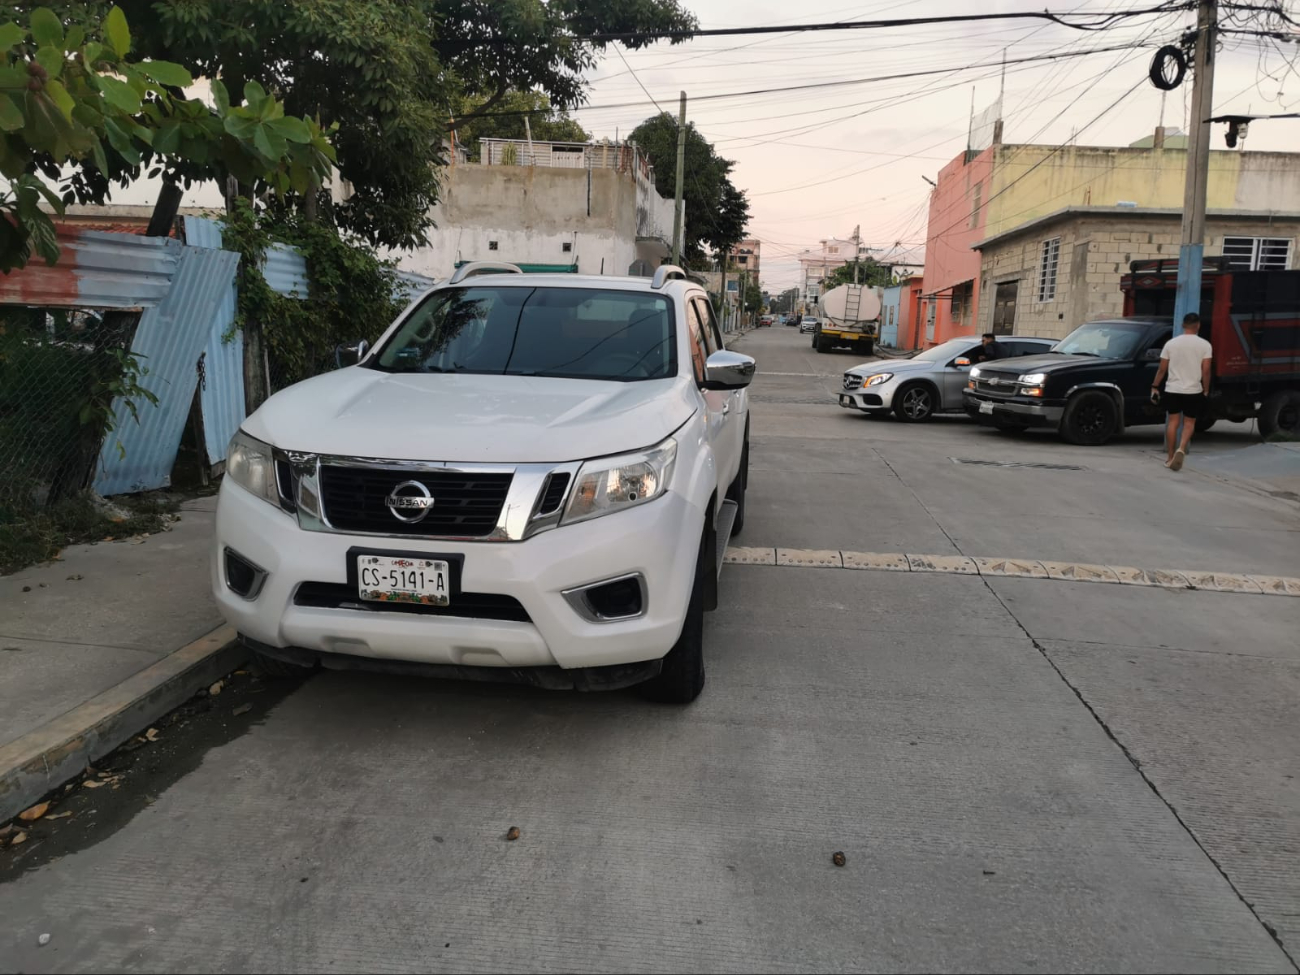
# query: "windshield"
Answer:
x=578 y=333
x=1108 y=340
x=942 y=353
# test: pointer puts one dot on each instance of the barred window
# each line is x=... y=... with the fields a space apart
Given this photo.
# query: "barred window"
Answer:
x=1047 y=269
x=1257 y=253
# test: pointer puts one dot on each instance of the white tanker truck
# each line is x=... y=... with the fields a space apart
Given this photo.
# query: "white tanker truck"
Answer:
x=848 y=316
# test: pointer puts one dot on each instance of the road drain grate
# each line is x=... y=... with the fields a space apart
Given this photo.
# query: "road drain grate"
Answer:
x=1013 y=463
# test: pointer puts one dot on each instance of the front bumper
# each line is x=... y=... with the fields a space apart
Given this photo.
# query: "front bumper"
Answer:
x=870 y=399
x=660 y=540
x=982 y=407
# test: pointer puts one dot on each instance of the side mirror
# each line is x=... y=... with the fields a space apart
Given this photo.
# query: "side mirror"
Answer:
x=961 y=361
x=350 y=355
x=728 y=370
x=1153 y=355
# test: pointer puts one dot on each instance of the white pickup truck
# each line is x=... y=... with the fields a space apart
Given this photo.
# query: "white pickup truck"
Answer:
x=529 y=478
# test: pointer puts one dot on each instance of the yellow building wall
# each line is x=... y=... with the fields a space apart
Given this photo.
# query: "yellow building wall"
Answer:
x=1031 y=181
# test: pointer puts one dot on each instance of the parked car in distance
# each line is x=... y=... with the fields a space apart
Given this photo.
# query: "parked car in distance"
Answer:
x=930 y=382
x=808 y=324
x=764 y=321
x=792 y=319
x=530 y=477
x=1095 y=382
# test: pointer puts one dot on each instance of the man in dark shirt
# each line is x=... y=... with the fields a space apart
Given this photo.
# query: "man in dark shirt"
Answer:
x=990 y=350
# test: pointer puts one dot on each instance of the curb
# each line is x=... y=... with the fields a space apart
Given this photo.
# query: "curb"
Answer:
x=45 y=757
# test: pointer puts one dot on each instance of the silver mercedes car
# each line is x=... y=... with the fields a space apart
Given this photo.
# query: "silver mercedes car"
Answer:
x=928 y=383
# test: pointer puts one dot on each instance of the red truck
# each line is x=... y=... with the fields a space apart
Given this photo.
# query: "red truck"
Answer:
x=1252 y=319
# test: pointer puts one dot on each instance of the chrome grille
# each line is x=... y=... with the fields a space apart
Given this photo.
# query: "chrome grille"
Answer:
x=851 y=381
x=465 y=503
x=996 y=386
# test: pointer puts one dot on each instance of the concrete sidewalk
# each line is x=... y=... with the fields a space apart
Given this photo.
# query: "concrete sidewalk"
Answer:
x=97 y=644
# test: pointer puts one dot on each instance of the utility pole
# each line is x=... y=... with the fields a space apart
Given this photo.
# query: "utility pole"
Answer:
x=681 y=179
x=722 y=296
x=857 y=251
x=1192 y=249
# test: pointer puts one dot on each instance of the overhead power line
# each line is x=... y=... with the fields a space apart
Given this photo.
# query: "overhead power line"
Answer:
x=840 y=83
x=1075 y=21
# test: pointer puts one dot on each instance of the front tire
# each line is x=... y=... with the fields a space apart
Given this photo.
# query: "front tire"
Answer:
x=682 y=677
x=1090 y=419
x=737 y=490
x=1280 y=414
x=915 y=403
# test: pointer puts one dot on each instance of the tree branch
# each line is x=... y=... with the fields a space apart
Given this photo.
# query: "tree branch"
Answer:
x=502 y=88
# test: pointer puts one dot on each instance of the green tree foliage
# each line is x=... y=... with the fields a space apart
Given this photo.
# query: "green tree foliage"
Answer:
x=389 y=72
x=70 y=93
x=494 y=47
x=363 y=65
x=870 y=273
x=715 y=210
x=548 y=124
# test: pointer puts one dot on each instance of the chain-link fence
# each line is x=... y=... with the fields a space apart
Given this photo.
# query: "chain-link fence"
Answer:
x=60 y=370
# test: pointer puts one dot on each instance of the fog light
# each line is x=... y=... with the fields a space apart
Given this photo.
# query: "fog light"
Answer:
x=242 y=576
x=623 y=598
x=1033 y=390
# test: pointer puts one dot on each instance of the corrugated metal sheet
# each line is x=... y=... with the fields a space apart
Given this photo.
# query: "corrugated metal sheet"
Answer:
x=415 y=283
x=285 y=270
x=170 y=337
x=202 y=232
x=97 y=270
x=222 y=393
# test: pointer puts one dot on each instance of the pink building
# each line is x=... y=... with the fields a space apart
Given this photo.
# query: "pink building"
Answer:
x=952 y=269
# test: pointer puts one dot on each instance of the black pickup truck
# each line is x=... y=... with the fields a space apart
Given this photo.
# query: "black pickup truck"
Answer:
x=1098 y=379
x=1094 y=383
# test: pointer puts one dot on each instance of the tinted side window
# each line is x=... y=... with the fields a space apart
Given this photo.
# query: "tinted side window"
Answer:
x=699 y=347
x=712 y=337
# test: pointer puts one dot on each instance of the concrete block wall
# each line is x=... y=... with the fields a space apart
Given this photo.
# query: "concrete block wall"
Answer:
x=1095 y=254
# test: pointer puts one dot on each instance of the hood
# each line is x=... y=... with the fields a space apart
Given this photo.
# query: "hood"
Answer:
x=1047 y=362
x=360 y=412
x=895 y=366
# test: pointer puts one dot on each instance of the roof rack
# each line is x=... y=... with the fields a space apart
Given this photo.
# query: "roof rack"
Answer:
x=483 y=267
x=667 y=273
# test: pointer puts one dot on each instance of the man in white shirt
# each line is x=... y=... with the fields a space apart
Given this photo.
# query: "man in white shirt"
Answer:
x=1186 y=359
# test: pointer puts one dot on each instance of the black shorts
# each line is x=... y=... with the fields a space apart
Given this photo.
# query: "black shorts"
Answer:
x=1189 y=404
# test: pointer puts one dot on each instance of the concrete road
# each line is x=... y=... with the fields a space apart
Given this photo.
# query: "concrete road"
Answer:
x=1023 y=774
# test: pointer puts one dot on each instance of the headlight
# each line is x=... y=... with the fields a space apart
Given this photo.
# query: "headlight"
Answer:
x=974 y=372
x=1034 y=378
x=878 y=378
x=250 y=465
x=611 y=484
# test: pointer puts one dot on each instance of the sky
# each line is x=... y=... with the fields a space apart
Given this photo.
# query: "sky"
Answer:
x=816 y=163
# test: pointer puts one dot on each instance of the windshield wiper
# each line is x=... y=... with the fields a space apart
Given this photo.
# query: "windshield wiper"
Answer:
x=1093 y=354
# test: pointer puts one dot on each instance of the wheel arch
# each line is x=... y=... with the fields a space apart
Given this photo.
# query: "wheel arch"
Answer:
x=1112 y=389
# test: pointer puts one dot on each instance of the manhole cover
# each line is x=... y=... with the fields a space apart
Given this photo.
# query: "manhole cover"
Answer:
x=975 y=462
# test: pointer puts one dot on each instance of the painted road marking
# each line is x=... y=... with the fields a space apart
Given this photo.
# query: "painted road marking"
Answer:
x=1122 y=575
